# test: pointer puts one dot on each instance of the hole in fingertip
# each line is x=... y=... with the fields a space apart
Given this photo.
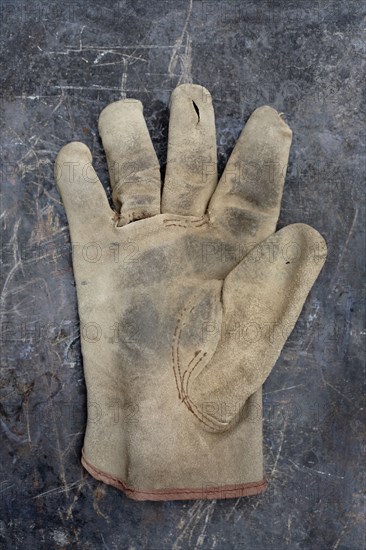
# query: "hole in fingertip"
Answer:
x=197 y=110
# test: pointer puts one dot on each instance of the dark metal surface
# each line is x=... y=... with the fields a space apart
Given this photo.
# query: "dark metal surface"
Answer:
x=62 y=63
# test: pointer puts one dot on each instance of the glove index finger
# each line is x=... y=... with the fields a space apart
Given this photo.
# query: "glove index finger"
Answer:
x=82 y=193
x=248 y=197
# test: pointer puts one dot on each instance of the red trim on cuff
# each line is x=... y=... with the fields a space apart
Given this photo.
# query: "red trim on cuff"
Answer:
x=205 y=493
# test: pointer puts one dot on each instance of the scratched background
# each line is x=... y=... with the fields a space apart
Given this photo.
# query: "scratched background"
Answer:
x=62 y=63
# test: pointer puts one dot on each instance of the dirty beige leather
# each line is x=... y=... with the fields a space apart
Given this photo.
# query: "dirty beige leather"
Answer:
x=185 y=299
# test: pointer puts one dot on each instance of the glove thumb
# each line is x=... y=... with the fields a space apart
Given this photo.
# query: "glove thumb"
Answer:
x=262 y=299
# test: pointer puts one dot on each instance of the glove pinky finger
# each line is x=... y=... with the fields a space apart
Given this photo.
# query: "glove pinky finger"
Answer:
x=82 y=193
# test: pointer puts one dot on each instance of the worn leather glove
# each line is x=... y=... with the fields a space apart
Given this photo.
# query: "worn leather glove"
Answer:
x=185 y=299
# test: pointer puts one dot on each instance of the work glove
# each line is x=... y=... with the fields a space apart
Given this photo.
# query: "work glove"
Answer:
x=186 y=296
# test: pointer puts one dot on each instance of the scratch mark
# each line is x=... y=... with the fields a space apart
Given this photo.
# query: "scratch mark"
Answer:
x=115 y=49
x=17 y=264
x=124 y=79
x=280 y=446
x=185 y=59
x=185 y=525
x=344 y=249
x=124 y=56
x=233 y=508
x=209 y=512
x=56 y=490
x=26 y=414
x=81 y=38
x=101 y=55
x=289 y=532
x=59 y=104
x=99 y=494
x=284 y=389
x=69 y=344
x=94 y=87
x=341 y=535
x=331 y=284
x=81 y=483
x=326 y=383
x=312 y=470
x=3 y=489
x=104 y=543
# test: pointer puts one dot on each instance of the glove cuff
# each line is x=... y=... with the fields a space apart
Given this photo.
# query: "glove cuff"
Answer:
x=205 y=493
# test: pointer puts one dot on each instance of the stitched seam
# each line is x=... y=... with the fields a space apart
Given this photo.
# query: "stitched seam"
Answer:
x=174 y=222
x=162 y=492
x=175 y=351
x=206 y=420
x=186 y=399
